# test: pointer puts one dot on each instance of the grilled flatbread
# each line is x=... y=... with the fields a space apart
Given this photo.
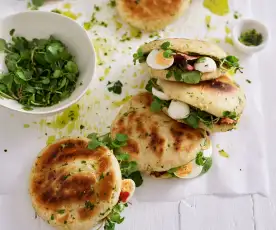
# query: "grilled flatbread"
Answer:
x=72 y=187
x=156 y=142
x=215 y=96
x=151 y=15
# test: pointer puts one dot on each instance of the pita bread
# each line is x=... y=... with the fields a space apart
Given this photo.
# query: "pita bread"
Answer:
x=161 y=74
x=156 y=142
x=151 y=15
x=183 y=45
x=214 y=96
x=73 y=187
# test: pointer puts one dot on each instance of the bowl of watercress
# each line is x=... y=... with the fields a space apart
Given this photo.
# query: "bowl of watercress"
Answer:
x=47 y=62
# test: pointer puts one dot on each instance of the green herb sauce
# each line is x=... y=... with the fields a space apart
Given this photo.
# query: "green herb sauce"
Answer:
x=251 y=38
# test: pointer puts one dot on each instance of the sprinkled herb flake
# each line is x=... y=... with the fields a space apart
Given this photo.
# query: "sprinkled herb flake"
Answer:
x=223 y=153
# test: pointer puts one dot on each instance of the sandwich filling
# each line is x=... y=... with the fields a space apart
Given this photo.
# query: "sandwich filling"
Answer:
x=189 y=114
x=198 y=166
x=185 y=67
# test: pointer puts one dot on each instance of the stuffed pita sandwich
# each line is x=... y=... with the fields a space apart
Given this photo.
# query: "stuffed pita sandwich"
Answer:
x=184 y=60
x=214 y=105
x=161 y=146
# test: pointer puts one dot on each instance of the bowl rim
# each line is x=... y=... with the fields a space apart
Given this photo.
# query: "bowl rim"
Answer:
x=241 y=46
x=73 y=101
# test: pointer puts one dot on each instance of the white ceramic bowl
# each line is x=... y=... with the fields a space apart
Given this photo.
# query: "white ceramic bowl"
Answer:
x=245 y=25
x=38 y=24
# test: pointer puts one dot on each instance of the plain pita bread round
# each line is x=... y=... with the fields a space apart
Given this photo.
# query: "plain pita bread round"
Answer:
x=156 y=142
x=151 y=15
x=73 y=187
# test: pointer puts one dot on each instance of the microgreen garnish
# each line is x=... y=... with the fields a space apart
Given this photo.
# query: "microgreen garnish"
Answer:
x=128 y=168
x=152 y=83
x=115 y=87
x=231 y=63
x=115 y=216
x=139 y=56
x=41 y=72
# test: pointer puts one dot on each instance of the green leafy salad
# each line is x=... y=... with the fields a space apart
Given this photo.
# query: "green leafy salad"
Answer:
x=41 y=72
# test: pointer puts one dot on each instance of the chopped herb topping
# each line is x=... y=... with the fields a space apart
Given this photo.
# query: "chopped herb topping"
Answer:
x=251 y=38
x=248 y=81
x=116 y=87
x=61 y=211
x=83 y=162
x=165 y=45
x=52 y=217
x=89 y=205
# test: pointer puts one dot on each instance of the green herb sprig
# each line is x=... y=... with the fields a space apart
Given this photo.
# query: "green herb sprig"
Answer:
x=115 y=216
x=41 y=72
x=139 y=56
x=128 y=168
x=206 y=162
x=231 y=63
x=231 y=115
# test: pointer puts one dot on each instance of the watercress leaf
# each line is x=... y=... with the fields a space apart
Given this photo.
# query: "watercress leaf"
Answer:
x=3 y=44
x=121 y=137
x=167 y=53
x=122 y=157
x=45 y=81
x=62 y=83
x=165 y=45
x=24 y=75
x=12 y=32
x=172 y=170
x=57 y=73
x=137 y=178
x=156 y=106
x=169 y=74
x=191 y=77
x=109 y=225
x=151 y=83
x=116 y=218
x=207 y=165
x=192 y=120
x=71 y=67
x=230 y=114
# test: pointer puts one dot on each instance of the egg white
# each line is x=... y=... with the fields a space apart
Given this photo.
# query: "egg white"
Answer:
x=160 y=94
x=178 y=110
x=205 y=65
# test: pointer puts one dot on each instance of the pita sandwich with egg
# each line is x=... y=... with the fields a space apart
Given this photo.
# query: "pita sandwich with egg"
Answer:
x=161 y=146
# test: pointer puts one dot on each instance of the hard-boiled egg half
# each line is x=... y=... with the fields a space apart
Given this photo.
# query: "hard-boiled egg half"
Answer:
x=205 y=65
x=156 y=60
x=192 y=169
x=160 y=94
x=178 y=110
x=128 y=189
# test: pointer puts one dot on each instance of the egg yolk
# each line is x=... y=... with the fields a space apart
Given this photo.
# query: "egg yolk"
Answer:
x=185 y=170
x=161 y=60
